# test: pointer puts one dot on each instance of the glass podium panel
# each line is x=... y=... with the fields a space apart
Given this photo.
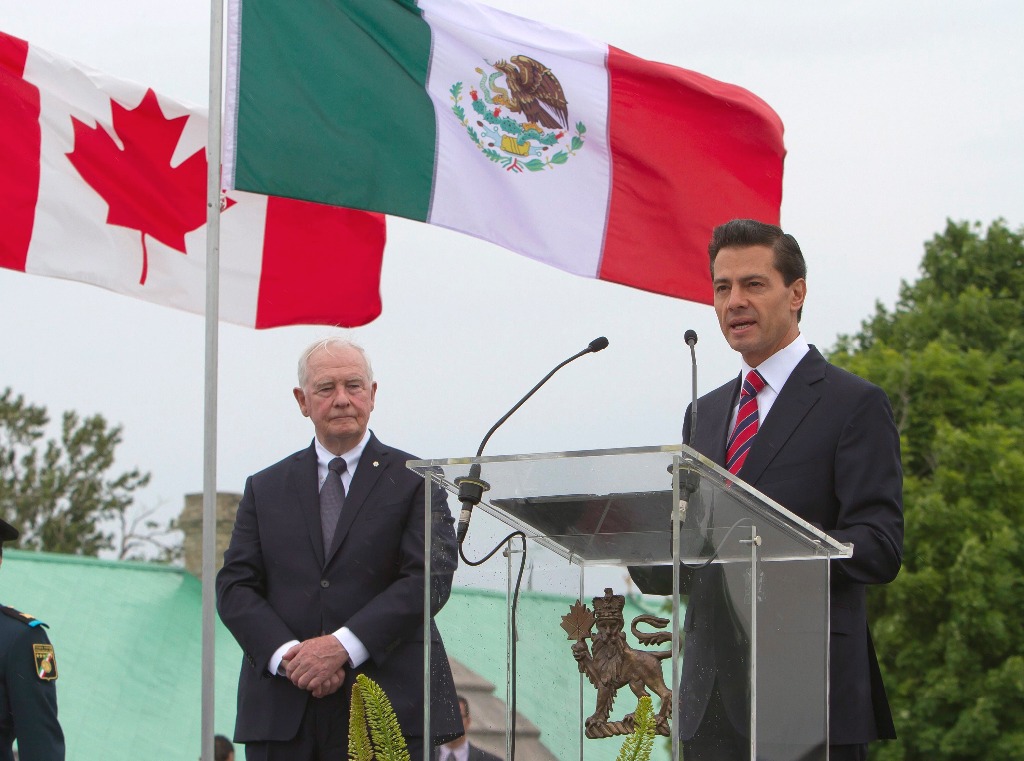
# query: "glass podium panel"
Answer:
x=588 y=578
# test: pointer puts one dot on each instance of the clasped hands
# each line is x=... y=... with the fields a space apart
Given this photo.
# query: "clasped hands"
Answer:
x=317 y=665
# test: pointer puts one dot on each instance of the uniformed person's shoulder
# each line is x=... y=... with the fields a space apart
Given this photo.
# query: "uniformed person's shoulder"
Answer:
x=20 y=630
x=23 y=640
x=14 y=624
x=25 y=618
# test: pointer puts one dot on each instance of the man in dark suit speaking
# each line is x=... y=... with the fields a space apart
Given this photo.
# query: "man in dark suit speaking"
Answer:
x=820 y=442
x=324 y=577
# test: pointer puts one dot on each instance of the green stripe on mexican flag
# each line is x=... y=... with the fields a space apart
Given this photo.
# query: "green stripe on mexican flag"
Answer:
x=537 y=139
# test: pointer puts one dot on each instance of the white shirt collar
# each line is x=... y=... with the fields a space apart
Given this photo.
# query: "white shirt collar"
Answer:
x=352 y=457
x=461 y=753
x=776 y=371
x=779 y=366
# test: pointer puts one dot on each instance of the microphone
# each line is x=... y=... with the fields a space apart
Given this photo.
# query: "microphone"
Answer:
x=688 y=485
x=472 y=488
x=690 y=336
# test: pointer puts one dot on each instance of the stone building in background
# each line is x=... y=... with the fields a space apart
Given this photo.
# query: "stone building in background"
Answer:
x=191 y=523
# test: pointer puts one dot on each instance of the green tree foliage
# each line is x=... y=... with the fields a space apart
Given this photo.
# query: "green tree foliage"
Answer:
x=950 y=629
x=60 y=493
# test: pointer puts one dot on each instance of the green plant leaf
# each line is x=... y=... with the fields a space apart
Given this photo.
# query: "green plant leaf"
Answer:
x=638 y=746
x=359 y=748
x=386 y=734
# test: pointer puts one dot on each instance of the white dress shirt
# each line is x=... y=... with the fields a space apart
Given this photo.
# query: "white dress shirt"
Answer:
x=357 y=652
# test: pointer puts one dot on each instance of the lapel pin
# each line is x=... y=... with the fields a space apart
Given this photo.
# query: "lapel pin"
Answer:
x=376 y=464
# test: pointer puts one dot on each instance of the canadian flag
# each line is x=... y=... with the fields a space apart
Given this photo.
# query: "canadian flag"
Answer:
x=104 y=181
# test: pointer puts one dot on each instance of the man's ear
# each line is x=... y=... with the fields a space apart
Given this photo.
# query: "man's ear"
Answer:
x=799 y=287
x=300 y=397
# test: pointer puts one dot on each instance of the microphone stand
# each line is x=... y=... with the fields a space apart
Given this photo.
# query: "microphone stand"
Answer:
x=690 y=336
x=471 y=491
x=689 y=485
x=692 y=480
x=472 y=488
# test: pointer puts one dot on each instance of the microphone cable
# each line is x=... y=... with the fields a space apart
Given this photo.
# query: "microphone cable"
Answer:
x=471 y=489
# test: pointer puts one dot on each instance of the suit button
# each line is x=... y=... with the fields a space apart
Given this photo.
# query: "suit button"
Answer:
x=325 y=583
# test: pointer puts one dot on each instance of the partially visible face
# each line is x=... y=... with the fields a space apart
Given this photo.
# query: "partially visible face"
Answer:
x=458 y=742
x=756 y=310
x=338 y=397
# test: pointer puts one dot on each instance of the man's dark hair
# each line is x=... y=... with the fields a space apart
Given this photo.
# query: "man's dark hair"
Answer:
x=222 y=748
x=739 y=233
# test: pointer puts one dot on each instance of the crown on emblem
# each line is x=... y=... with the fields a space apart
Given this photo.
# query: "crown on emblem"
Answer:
x=609 y=606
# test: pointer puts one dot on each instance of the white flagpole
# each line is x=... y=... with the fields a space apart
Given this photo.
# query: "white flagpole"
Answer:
x=210 y=396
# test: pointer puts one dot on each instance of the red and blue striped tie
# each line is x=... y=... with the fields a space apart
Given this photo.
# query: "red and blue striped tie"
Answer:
x=746 y=422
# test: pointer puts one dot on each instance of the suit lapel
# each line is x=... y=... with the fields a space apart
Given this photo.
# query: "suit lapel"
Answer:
x=305 y=482
x=371 y=465
x=714 y=414
x=795 y=400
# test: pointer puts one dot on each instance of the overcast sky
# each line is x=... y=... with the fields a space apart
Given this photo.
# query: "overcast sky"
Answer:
x=898 y=115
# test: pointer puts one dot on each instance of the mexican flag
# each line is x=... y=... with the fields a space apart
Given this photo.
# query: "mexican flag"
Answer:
x=538 y=139
x=104 y=181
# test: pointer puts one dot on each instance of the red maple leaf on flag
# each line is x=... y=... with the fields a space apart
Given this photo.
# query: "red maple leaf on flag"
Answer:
x=142 y=190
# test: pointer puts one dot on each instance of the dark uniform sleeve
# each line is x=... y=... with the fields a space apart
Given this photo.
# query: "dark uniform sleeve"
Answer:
x=31 y=698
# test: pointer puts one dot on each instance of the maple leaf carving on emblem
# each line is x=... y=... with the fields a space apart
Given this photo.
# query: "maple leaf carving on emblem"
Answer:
x=142 y=190
x=579 y=622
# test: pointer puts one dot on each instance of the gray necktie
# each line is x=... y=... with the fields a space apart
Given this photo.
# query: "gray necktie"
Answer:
x=332 y=499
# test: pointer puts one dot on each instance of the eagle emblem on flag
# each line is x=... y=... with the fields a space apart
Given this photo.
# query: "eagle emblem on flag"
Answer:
x=522 y=116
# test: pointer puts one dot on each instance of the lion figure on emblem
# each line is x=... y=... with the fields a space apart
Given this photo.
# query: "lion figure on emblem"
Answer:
x=610 y=663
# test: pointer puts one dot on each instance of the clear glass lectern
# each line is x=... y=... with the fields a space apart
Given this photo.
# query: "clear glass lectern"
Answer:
x=739 y=634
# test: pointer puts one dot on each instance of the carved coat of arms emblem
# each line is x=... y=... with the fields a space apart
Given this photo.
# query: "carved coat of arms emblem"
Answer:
x=610 y=663
x=520 y=116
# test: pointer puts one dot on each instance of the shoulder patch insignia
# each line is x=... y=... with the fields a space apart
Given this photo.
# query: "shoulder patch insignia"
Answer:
x=46 y=662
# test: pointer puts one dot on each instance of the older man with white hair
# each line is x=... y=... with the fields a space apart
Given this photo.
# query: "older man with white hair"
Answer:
x=324 y=577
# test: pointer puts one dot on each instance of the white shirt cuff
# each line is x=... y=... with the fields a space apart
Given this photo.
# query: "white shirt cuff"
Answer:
x=357 y=654
x=275 y=659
